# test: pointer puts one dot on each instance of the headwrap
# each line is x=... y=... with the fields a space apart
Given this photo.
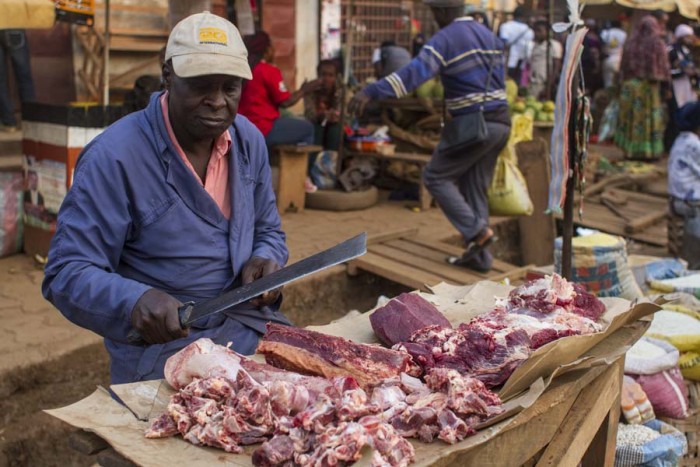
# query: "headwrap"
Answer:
x=688 y=116
x=644 y=55
x=683 y=30
x=257 y=44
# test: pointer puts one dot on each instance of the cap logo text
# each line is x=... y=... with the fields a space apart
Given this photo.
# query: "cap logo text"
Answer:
x=213 y=36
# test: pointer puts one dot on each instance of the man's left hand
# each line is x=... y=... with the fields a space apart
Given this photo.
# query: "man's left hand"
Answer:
x=254 y=269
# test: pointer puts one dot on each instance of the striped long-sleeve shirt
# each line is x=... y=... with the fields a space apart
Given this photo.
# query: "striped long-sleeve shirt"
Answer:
x=461 y=54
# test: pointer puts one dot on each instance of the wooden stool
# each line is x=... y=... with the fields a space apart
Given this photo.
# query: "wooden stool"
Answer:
x=294 y=164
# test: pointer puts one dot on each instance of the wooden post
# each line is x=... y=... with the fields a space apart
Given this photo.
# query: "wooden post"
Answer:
x=105 y=77
x=537 y=231
x=347 y=61
x=568 y=226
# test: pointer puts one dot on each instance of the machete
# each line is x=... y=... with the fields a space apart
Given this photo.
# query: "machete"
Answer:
x=191 y=312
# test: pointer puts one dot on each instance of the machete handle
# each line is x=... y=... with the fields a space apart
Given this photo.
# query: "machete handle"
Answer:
x=183 y=313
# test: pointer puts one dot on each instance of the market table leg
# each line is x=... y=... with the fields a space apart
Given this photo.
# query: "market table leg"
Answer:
x=601 y=452
x=583 y=421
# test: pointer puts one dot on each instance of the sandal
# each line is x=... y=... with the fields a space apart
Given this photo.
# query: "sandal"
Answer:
x=473 y=248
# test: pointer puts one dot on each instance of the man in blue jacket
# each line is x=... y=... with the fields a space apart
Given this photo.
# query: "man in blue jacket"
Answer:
x=470 y=61
x=171 y=204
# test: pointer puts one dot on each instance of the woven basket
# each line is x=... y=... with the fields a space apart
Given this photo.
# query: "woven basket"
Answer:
x=690 y=426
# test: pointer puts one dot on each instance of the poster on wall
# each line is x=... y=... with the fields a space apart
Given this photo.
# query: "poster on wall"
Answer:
x=76 y=11
x=331 y=14
x=44 y=190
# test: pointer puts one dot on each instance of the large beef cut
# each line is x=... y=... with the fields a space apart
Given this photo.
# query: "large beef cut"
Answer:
x=404 y=315
x=492 y=345
x=314 y=353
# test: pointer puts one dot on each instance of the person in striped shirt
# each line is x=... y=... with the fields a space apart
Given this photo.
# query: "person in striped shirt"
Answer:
x=470 y=61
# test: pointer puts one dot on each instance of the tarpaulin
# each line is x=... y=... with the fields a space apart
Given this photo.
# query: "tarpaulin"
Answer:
x=26 y=14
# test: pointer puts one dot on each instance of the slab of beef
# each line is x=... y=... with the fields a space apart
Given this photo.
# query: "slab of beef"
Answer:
x=404 y=315
x=314 y=353
x=492 y=345
x=554 y=293
x=489 y=355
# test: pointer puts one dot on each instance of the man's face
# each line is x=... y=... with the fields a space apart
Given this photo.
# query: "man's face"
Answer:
x=688 y=40
x=327 y=76
x=663 y=20
x=205 y=105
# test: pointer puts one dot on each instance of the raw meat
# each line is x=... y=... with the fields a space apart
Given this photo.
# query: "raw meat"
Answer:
x=404 y=315
x=315 y=353
x=492 y=345
x=488 y=354
x=204 y=359
x=201 y=359
x=329 y=428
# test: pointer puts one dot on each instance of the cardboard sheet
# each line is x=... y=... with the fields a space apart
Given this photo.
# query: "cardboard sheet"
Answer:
x=123 y=427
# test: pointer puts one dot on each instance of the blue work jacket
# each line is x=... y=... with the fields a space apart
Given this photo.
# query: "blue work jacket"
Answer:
x=136 y=218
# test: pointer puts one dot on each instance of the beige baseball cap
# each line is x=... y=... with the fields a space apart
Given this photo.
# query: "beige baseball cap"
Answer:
x=207 y=44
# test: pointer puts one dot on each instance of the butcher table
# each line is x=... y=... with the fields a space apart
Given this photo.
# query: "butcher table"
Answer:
x=574 y=421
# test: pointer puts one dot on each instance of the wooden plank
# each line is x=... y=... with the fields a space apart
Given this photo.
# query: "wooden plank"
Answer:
x=602 y=450
x=446 y=271
x=579 y=428
x=497 y=267
x=537 y=231
x=395 y=271
x=641 y=223
x=391 y=235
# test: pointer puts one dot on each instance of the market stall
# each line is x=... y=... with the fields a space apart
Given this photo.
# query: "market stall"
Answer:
x=559 y=405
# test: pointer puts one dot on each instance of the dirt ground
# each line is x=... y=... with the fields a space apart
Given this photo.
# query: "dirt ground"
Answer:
x=29 y=437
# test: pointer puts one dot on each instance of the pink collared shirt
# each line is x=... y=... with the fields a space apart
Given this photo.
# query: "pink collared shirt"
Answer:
x=217 y=180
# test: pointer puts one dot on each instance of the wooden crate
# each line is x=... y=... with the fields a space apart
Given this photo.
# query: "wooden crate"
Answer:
x=417 y=262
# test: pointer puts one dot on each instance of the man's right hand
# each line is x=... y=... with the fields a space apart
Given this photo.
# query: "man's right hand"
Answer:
x=155 y=317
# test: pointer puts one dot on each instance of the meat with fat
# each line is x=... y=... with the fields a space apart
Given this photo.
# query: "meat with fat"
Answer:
x=404 y=315
x=315 y=353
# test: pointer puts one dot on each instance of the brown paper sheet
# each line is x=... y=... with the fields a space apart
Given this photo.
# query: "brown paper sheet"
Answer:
x=120 y=427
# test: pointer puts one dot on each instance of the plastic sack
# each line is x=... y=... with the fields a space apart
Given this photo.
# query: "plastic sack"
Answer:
x=634 y=402
x=508 y=194
x=689 y=363
x=649 y=356
x=608 y=124
x=679 y=329
x=11 y=185
x=667 y=392
x=600 y=265
x=324 y=170
x=663 y=451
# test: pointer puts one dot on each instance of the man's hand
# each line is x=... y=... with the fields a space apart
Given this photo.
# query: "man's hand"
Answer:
x=254 y=269
x=155 y=317
x=357 y=103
